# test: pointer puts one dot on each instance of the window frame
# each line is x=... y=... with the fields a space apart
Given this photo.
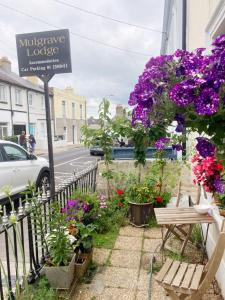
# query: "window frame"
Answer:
x=18 y=99
x=3 y=88
x=63 y=108
x=5 y=155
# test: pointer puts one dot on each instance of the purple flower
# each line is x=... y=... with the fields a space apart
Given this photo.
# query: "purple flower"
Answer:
x=219 y=186
x=63 y=210
x=179 y=128
x=179 y=118
x=183 y=93
x=160 y=144
x=71 y=203
x=207 y=102
x=219 y=41
x=204 y=147
x=180 y=122
x=177 y=147
x=85 y=207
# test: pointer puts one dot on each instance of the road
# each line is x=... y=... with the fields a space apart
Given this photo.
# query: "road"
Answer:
x=70 y=161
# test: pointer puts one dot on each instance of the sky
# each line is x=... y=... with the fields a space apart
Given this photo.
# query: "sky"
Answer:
x=97 y=71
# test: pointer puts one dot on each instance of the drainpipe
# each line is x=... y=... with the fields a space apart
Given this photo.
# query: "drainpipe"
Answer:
x=28 y=112
x=11 y=109
x=184 y=47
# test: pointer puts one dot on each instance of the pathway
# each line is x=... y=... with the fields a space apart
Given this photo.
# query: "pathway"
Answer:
x=123 y=272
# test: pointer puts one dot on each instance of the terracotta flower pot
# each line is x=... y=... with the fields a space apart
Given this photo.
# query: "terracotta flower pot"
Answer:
x=140 y=213
x=60 y=277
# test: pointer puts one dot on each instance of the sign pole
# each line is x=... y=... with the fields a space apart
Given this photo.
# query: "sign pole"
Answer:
x=46 y=79
x=45 y=54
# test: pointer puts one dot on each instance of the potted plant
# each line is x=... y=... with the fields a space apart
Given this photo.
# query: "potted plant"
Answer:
x=141 y=204
x=59 y=265
x=84 y=248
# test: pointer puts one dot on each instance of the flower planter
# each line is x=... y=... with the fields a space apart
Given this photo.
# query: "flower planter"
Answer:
x=82 y=263
x=60 y=277
x=140 y=213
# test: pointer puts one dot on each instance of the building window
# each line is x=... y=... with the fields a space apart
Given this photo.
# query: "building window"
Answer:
x=63 y=109
x=42 y=131
x=32 y=128
x=73 y=110
x=81 y=113
x=30 y=99
x=64 y=133
x=3 y=97
x=18 y=97
x=3 y=130
x=42 y=102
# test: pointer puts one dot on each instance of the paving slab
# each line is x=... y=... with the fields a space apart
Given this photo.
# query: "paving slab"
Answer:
x=100 y=255
x=120 y=277
x=142 y=295
x=83 y=294
x=152 y=245
x=128 y=243
x=117 y=294
x=143 y=281
x=153 y=233
x=125 y=259
x=147 y=256
x=131 y=231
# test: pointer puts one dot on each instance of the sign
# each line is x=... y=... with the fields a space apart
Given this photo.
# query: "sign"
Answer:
x=44 y=53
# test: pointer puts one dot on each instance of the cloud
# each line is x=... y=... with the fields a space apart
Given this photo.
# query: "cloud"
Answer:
x=98 y=71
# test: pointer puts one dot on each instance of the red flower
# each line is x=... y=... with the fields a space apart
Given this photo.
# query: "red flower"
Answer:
x=159 y=199
x=120 y=192
x=119 y=204
x=219 y=167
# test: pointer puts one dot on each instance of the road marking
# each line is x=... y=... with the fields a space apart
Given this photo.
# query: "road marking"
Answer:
x=62 y=173
x=66 y=162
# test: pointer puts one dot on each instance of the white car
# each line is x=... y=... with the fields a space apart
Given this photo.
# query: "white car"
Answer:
x=18 y=167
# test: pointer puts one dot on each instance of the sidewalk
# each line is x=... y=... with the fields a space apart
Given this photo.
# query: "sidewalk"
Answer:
x=123 y=272
x=58 y=149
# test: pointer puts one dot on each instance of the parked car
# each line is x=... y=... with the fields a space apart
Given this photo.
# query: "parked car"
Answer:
x=18 y=167
x=96 y=150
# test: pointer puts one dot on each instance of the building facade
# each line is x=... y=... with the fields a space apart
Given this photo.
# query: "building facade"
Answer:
x=70 y=114
x=22 y=106
x=205 y=20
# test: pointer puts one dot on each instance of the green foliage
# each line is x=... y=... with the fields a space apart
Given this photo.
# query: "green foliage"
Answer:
x=106 y=240
x=141 y=193
x=152 y=222
x=196 y=235
x=85 y=235
x=41 y=290
x=59 y=246
x=140 y=138
x=12 y=138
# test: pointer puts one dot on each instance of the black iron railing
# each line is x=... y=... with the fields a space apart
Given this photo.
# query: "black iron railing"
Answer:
x=21 y=249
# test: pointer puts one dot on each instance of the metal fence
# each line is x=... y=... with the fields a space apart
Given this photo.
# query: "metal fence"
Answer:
x=20 y=247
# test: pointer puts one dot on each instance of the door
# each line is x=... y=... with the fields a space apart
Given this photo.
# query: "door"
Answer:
x=5 y=174
x=22 y=168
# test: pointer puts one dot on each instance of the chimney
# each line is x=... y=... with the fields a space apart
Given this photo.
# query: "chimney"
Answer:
x=33 y=79
x=119 y=110
x=5 y=64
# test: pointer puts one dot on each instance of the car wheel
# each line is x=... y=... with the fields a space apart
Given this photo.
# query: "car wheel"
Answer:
x=44 y=181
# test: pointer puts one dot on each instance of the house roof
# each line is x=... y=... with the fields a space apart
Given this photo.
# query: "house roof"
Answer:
x=13 y=78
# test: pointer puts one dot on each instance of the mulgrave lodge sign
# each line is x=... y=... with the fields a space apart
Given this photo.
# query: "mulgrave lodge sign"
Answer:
x=44 y=53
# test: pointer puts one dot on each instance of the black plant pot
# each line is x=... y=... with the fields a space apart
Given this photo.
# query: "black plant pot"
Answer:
x=140 y=213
